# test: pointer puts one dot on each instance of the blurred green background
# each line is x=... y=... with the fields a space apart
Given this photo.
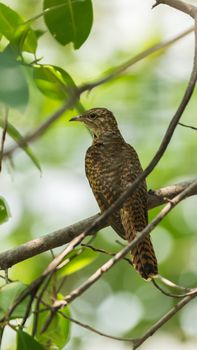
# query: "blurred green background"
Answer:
x=143 y=100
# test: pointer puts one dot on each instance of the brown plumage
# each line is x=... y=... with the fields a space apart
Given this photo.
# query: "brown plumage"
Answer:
x=111 y=166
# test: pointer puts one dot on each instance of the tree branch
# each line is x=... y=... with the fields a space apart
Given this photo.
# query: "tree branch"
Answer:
x=121 y=68
x=188 y=126
x=42 y=244
x=164 y=319
x=32 y=289
x=178 y=5
x=122 y=253
x=137 y=342
x=3 y=136
x=86 y=326
x=44 y=126
x=60 y=237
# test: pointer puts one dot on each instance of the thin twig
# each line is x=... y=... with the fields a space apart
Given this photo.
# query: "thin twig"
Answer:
x=51 y=271
x=164 y=319
x=3 y=137
x=45 y=125
x=38 y=301
x=120 y=69
x=86 y=326
x=104 y=252
x=179 y=5
x=35 y=285
x=28 y=308
x=173 y=295
x=171 y=284
x=68 y=260
x=188 y=126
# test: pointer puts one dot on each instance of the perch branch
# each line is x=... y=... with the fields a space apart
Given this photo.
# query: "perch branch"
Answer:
x=58 y=238
x=122 y=253
x=58 y=304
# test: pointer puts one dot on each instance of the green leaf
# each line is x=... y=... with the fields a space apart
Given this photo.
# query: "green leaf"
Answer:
x=9 y=21
x=13 y=84
x=27 y=342
x=25 y=39
x=16 y=31
x=57 y=334
x=4 y=211
x=14 y=133
x=77 y=263
x=69 y=21
x=8 y=295
x=53 y=81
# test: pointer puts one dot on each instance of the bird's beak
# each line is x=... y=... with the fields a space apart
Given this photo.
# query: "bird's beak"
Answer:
x=77 y=119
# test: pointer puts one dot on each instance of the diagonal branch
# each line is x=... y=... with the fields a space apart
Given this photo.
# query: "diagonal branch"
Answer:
x=3 y=137
x=44 y=126
x=32 y=289
x=90 y=328
x=122 y=253
x=179 y=5
x=58 y=304
x=60 y=237
x=188 y=126
x=144 y=54
x=164 y=319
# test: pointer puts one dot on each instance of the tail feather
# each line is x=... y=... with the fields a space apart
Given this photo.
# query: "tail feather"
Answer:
x=144 y=259
x=143 y=255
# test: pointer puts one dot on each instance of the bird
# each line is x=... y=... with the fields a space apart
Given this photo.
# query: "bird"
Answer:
x=111 y=165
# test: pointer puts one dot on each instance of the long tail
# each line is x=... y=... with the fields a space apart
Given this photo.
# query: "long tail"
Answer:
x=144 y=259
x=143 y=255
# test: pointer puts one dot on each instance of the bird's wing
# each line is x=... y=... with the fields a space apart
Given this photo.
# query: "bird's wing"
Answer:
x=103 y=181
x=134 y=216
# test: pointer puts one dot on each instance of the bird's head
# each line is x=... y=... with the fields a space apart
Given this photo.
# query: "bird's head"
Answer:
x=99 y=120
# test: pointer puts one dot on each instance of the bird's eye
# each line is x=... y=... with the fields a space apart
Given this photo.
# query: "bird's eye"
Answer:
x=92 y=116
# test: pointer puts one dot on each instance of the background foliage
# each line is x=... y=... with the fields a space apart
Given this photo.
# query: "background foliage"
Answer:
x=38 y=69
